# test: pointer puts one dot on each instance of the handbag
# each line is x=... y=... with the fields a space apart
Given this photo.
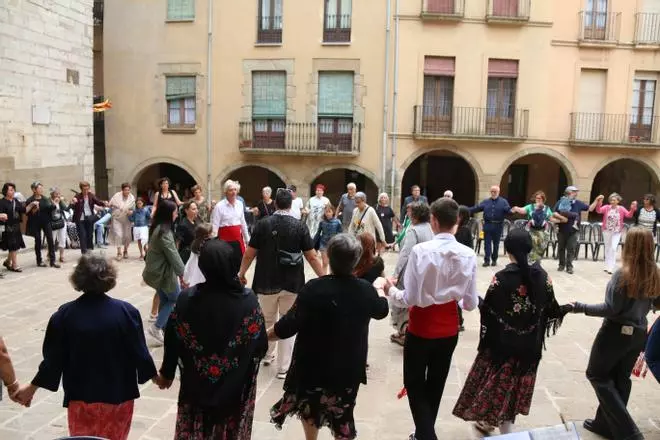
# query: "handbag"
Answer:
x=286 y=258
x=57 y=221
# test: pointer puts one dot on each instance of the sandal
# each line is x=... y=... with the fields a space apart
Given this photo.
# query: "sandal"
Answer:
x=15 y=269
x=484 y=428
x=6 y=264
x=398 y=339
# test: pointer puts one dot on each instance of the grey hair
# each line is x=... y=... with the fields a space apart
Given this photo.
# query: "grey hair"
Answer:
x=344 y=252
x=351 y=186
x=360 y=195
x=615 y=195
x=229 y=184
x=449 y=194
x=268 y=190
x=381 y=195
x=94 y=274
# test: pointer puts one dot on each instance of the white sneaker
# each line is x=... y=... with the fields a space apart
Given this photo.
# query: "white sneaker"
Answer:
x=281 y=375
x=152 y=318
x=268 y=360
x=156 y=333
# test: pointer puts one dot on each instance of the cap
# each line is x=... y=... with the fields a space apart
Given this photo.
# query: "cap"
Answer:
x=571 y=189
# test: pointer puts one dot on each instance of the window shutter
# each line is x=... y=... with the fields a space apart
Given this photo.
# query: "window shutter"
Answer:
x=268 y=95
x=439 y=66
x=180 y=9
x=503 y=68
x=335 y=94
x=180 y=87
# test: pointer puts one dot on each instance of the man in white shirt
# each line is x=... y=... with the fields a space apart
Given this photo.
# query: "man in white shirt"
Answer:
x=228 y=217
x=296 y=204
x=440 y=273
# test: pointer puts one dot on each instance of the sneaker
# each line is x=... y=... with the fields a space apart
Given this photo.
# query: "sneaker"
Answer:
x=156 y=333
x=281 y=375
x=152 y=318
x=268 y=360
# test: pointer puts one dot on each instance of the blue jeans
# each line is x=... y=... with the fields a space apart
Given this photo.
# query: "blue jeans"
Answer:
x=99 y=227
x=167 y=303
x=492 y=236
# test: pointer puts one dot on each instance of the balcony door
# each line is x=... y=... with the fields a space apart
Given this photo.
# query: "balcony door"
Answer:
x=505 y=8
x=337 y=22
x=595 y=20
x=335 y=111
x=589 y=123
x=269 y=109
x=438 y=103
x=501 y=98
x=270 y=21
x=641 y=118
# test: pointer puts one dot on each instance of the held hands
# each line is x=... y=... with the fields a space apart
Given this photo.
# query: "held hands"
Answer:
x=242 y=279
x=3 y=217
x=162 y=382
x=23 y=395
x=272 y=337
x=600 y=198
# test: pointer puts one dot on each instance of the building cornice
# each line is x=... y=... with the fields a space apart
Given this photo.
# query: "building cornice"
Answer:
x=476 y=20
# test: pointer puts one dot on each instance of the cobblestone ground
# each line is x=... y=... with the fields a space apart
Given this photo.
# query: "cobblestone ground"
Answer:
x=28 y=300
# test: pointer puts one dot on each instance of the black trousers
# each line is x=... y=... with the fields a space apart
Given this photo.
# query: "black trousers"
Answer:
x=426 y=365
x=36 y=231
x=567 y=244
x=86 y=234
x=612 y=359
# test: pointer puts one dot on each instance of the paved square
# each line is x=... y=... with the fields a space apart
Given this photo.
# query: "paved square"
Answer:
x=28 y=299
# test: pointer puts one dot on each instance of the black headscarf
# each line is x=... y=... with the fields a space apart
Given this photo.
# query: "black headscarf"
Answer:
x=220 y=262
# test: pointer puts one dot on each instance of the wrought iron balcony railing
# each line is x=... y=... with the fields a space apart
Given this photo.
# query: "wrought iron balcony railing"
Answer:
x=599 y=26
x=647 y=28
x=278 y=136
x=337 y=28
x=443 y=9
x=603 y=128
x=470 y=122
x=508 y=10
x=269 y=29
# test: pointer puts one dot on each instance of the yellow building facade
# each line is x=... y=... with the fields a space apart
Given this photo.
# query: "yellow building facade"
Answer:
x=448 y=94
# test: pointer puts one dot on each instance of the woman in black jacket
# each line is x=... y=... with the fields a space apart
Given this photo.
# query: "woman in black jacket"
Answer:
x=648 y=216
x=463 y=233
x=331 y=318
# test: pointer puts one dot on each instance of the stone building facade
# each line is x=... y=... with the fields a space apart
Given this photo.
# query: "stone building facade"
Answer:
x=46 y=93
x=525 y=94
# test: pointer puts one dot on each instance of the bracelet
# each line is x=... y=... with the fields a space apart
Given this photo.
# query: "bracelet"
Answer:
x=12 y=384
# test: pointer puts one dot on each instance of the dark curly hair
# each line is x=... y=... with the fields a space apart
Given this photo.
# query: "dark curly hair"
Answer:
x=94 y=274
x=5 y=188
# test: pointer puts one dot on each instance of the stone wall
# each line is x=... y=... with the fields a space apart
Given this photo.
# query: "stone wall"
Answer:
x=46 y=59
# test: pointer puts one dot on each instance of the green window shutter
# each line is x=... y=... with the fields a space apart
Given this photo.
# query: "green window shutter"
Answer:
x=180 y=9
x=269 y=95
x=180 y=87
x=335 y=94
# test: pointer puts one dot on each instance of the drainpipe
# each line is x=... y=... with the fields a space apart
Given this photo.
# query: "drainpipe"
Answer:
x=386 y=92
x=209 y=105
x=395 y=95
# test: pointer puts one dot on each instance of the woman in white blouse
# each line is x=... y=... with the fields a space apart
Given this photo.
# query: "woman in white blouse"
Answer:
x=315 y=209
x=365 y=219
x=228 y=217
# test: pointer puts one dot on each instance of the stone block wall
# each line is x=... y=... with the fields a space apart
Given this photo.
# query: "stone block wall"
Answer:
x=46 y=65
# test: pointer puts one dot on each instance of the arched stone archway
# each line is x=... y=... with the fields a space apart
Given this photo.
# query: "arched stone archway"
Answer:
x=335 y=178
x=252 y=178
x=138 y=172
x=535 y=169
x=631 y=177
x=144 y=181
x=469 y=158
x=438 y=170
x=229 y=170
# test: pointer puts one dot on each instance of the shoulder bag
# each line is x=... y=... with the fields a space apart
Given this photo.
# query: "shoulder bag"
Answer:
x=285 y=258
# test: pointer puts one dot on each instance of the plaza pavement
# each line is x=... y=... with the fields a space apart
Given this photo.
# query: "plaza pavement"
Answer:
x=28 y=299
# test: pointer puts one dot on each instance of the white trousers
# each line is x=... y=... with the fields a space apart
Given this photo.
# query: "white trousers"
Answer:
x=612 y=240
x=274 y=307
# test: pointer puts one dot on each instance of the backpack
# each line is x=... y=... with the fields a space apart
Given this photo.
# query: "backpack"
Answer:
x=538 y=220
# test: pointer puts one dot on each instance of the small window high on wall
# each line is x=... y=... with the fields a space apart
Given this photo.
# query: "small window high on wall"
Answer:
x=501 y=98
x=181 y=102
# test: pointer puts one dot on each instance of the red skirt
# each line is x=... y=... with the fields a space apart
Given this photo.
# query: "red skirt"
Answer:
x=232 y=233
x=100 y=419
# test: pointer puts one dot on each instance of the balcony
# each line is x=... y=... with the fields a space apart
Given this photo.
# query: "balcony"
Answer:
x=443 y=10
x=97 y=11
x=589 y=129
x=269 y=30
x=647 y=30
x=470 y=123
x=337 y=29
x=599 y=29
x=513 y=12
x=299 y=138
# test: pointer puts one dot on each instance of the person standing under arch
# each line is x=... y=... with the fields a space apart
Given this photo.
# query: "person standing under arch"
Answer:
x=315 y=209
x=123 y=205
x=495 y=209
x=538 y=214
x=228 y=217
x=346 y=205
x=164 y=193
x=415 y=196
x=568 y=229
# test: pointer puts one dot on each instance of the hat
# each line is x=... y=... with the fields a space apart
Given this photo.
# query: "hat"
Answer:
x=571 y=189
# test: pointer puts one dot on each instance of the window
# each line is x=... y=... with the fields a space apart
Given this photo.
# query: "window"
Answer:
x=595 y=20
x=438 y=94
x=180 y=10
x=335 y=110
x=505 y=8
x=269 y=109
x=440 y=6
x=501 y=99
x=270 y=21
x=641 y=118
x=337 y=21
x=181 y=103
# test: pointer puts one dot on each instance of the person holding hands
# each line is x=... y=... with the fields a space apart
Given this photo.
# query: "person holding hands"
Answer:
x=613 y=224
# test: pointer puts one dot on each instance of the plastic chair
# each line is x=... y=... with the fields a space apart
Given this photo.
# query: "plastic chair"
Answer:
x=624 y=233
x=473 y=225
x=553 y=242
x=506 y=227
x=477 y=234
x=584 y=239
x=598 y=240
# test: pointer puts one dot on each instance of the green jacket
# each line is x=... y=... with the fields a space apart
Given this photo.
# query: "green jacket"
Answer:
x=162 y=263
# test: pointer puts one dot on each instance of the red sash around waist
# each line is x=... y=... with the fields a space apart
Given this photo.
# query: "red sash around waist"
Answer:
x=232 y=233
x=434 y=322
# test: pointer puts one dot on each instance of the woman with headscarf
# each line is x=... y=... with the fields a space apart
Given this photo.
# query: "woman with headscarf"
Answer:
x=315 y=209
x=517 y=314
x=122 y=205
x=216 y=334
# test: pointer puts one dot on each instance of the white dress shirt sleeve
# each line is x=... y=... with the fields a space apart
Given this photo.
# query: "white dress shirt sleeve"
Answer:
x=244 y=226
x=215 y=218
x=410 y=295
x=471 y=299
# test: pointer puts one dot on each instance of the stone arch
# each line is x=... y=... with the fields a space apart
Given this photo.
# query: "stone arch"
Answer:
x=335 y=178
x=648 y=163
x=227 y=171
x=357 y=168
x=571 y=173
x=139 y=169
x=469 y=158
x=630 y=176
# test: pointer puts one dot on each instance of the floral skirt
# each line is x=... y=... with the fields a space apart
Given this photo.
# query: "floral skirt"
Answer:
x=496 y=393
x=320 y=407
x=540 y=240
x=103 y=420
x=195 y=423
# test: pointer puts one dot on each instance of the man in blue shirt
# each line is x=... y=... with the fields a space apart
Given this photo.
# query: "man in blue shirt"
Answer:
x=568 y=234
x=415 y=196
x=495 y=209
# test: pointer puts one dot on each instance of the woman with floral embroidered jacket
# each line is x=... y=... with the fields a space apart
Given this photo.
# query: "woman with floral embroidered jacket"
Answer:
x=517 y=314
x=216 y=334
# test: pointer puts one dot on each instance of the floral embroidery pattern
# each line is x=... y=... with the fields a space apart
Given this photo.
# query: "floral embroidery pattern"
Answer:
x=214 y=367
x=521 y=302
